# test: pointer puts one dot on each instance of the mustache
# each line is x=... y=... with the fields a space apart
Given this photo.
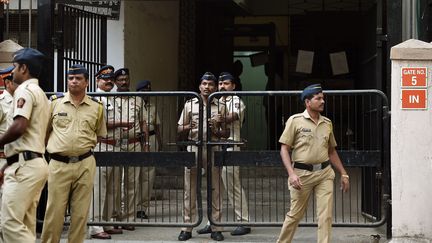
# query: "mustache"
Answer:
x=222 y=89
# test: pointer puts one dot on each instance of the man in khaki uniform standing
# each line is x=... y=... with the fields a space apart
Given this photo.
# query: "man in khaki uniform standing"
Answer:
x=76 y=122
x=150 y=116
x=130 y=111
x=106 y=184
x=26 y=171
x=309 y=136
x=235 y=112
x=188 y=124
x=6 y=100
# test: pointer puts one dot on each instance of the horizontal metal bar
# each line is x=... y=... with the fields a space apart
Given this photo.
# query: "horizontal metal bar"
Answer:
x=263 y=224
x=351 y=158
x=154 y=159
x=139 y=94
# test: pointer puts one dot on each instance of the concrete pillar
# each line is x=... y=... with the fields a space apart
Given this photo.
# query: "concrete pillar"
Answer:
x=411 y=142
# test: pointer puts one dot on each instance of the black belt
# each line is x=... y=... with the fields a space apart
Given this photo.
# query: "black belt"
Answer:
x=71 y=159
x=28 y=155
x=310 y=167
x=152 y=132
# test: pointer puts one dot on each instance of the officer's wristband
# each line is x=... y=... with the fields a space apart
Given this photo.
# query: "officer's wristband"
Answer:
x=345 y=176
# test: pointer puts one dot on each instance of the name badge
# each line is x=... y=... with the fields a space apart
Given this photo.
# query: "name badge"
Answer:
x=62 y=114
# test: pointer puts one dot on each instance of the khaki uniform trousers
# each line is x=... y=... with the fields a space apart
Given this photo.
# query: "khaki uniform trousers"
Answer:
x=147 y=178
x=105 y=191
x=23 y=183
x=190 y=201
x=68 y=183
x=322 y=182
x=236 y=194
x=130 y=186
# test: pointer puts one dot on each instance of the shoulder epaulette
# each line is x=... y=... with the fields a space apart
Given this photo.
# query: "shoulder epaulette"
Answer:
x=95 y=100
x=297 y=115
x=326 y=119
x=191 y=100
x=56 y=96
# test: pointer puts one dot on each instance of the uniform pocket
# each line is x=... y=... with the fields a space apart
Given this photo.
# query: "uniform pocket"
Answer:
x=305 y=138
x=324 y=140
x=62 y=123
x=86 y=126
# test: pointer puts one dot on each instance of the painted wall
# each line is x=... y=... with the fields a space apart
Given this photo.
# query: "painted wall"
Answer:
x=411 y=154
x=151 y=42
x=116 y=40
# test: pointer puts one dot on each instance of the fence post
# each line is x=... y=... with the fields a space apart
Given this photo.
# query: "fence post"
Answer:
x=411 y=136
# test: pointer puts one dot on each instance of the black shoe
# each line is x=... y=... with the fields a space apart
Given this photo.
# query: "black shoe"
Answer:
x=142 y=215
x=241 y=230
x=184 y=236
x=217 y=236
x=205 y=230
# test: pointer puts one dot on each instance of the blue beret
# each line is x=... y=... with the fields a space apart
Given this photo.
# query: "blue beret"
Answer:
x=208 y=76
x=78 y=69
x=121 y=71
x=311 y=90
x=142 y=84
x=6 y=70
x=6 y=73
x=105 y=72
x=33 y=58
x=226 y=76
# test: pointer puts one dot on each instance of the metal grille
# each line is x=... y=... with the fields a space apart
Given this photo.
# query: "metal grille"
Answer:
x=358 y=120
x=82 y=39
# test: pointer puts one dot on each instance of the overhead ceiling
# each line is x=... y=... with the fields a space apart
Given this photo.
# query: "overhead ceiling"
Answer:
x=293 y=7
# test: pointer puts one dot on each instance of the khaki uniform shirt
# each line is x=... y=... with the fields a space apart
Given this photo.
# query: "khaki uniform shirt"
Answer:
x=191 y=113
x=309 y=141
x=6 y=100
x=128 y=110
x=108 y=103
x=150 y=116
x=235 y=105
x=75 y=129
x=30 y=102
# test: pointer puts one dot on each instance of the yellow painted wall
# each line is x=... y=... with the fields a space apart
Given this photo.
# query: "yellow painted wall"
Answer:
x=151 y=42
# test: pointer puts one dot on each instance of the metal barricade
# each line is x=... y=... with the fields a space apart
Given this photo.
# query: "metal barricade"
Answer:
x=361 y=127
x=132 y=179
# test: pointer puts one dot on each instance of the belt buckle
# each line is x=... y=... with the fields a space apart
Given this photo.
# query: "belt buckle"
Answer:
x=73 y=159
x=316 y=167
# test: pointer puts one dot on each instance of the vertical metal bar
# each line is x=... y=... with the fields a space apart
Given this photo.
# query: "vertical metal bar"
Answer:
x=60 y=48
x=19 y=22
x=7 y=21
x=30 y=24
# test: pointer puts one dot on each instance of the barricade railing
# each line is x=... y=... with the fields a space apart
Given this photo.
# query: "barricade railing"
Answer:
x=360 y=123
x=132 y=179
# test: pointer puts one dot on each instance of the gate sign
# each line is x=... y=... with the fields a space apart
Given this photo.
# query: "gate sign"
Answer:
x=109 y=8
x=414 y=77
x=414 y=99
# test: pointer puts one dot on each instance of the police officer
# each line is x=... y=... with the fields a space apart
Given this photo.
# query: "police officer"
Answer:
x=234 y=118
x=26 y=171
x=5 y=106
x=106 y=187
x=76 y=122
x=130 y=140
x=148 y=174
x=309 y=136
x=188 y=124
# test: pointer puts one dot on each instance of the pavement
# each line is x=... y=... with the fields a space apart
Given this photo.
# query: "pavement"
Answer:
x=258 y=234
